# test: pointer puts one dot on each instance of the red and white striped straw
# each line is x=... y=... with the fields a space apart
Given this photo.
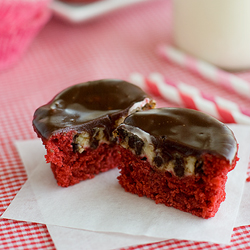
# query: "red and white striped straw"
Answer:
x=203 y=69
x=190 y=97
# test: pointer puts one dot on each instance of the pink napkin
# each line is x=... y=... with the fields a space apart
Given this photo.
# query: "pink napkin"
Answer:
x=21 y=20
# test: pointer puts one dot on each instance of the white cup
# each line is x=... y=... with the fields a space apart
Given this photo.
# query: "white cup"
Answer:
x=217 y=31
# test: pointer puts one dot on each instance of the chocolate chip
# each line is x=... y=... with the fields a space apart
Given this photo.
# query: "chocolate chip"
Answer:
x=166 y=155
x=75 y=147
x=135 y=143
x=158 y=161
x=94 y=143
x=179 y=166
x=198 y=166
x=122 y=133
x=132 y=141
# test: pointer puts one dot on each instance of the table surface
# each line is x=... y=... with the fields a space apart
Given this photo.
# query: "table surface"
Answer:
x=112 y=46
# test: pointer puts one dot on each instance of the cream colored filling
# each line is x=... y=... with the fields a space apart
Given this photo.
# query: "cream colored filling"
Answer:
x=83 y=139
x=149 y=151
x=141 y=105
x=189 y=166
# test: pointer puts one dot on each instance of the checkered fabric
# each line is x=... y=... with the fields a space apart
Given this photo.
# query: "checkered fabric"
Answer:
x=112 y=46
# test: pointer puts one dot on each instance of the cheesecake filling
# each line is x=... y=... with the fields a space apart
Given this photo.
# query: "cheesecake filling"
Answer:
x=142 y=144
x=98 y=135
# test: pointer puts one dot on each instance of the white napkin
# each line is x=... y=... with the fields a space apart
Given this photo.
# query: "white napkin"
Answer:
x=243 y=218
x=102 y=205
x=64 y=238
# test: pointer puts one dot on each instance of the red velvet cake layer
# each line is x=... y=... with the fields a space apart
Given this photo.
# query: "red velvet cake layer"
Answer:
x=178 y=157
x=76 y=126
x=200 y=195
x=71 y=167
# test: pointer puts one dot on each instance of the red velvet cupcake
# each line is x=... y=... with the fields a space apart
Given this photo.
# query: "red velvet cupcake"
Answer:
x=178 y=157
x=76 y=127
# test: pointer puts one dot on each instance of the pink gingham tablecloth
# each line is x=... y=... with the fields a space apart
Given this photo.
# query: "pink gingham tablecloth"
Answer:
x=112 y=46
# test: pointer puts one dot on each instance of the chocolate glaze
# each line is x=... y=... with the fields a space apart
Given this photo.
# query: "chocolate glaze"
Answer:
x=184 y=130
x=87 y=105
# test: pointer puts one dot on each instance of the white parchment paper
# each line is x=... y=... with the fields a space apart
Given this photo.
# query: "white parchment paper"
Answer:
x=101 y=205
x=65 y=238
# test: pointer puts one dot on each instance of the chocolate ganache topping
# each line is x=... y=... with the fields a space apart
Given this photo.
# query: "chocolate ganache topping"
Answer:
x=187 y=131
x=100 y=103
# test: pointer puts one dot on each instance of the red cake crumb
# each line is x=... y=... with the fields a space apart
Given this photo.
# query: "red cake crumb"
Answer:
x=178 y=157
x=76 y=127
x=200 y=195
x=71 y=167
